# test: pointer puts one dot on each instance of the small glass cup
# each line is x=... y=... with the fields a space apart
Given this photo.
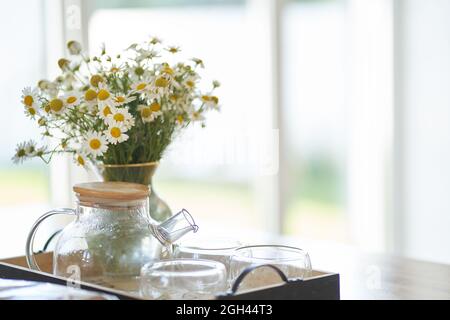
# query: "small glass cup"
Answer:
x=183 y=279
x=217 y=248
x=293 y=262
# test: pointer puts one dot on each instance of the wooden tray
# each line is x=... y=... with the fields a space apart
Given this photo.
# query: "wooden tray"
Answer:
x=319 y=285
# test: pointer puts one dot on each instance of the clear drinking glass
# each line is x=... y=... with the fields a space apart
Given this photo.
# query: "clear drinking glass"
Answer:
x=183 y=279
x=293 y=262
x=214 y=248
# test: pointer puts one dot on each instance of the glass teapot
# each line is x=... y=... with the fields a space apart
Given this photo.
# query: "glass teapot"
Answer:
x=112 y=235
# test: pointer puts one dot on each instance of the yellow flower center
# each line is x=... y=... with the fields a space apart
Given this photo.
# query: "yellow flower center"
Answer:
x=56 y=105
x=41 y=122
x=180 y=119
x=103 y=95
x=47 y=108
x=161 y=82
x=95 y=144
x=96 y=79
x=173 y=98
x=32 y=111
x=71 y=99
x=215 y=99
x=141 y=86
x=90 y=95
x=28 y=100
x=119 y=117
x=120 y=99
x=190 y=83
x=155 y=107
x=80 y=160
x=206 y=98
x=146 y=112
x=114 y=69
x=115 y=132
x=168 y=70
x=63 y=63
x=107 y=111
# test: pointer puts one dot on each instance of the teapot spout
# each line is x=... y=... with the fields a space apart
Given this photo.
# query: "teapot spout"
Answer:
x=177 y=226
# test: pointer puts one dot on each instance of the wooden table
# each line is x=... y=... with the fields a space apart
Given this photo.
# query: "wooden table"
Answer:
x=380 y=276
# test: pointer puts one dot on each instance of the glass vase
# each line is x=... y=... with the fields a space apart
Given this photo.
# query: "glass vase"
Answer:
x=137 y=173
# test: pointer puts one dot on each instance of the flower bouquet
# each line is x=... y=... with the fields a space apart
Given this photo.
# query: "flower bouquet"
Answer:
x=117 y=112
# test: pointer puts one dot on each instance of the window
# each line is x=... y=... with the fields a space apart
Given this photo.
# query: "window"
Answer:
x=204 y=170
x=24 y=189
x=316 y=113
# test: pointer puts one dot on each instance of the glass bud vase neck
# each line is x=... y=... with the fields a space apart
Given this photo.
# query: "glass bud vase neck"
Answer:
x=141 y=173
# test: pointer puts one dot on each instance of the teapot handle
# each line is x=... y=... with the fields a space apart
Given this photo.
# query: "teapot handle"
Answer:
x=30 y=240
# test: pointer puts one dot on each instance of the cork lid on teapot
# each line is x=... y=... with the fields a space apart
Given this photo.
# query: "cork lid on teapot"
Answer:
x=115 y=191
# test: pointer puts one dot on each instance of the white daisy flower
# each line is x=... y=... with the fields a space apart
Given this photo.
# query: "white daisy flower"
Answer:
x=116 y=133
x=80 y=159
x=30 y=148
x=196 y=116
x=95 y=144
x=211 y=102
x=104 y=96
x=90 y=98
x=21 y=153
x=123 y=99
x=29 y=97
x=141 y=86
x=40 y=151
x=155 y=40
x=32 y=111
x=106 y=111
x=173 y=49
x=57 y=106
x=190 y=82
x=144 y=54
x=149 y=114
x=122 y=116
x=72 y=99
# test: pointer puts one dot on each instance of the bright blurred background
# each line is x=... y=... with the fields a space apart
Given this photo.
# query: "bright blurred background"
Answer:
x=349 y=98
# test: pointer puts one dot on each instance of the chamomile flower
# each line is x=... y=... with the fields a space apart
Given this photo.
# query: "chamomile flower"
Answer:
x=149 y=114
x=196 y=116
x=190 y=82
x=21 y=153
x=90 y=97
x=30 y=148
x=40 y=151
x=31 y=111
x=198 y=62
x=140 y=86
x=155 y=40
x=106 y=111
x=211 y=102
x=145 y=55
x=72 y=99
x=121 y=116
x=160 y=86
x=104 y=95
x=116 y=133
x=57 y=106
x=95 y=144
x=173 y=49
x=29 y=97
x=81 y=159
x=123 y=99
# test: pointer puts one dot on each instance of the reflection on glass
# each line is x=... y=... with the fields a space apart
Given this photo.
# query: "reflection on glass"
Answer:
x=182 y=279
